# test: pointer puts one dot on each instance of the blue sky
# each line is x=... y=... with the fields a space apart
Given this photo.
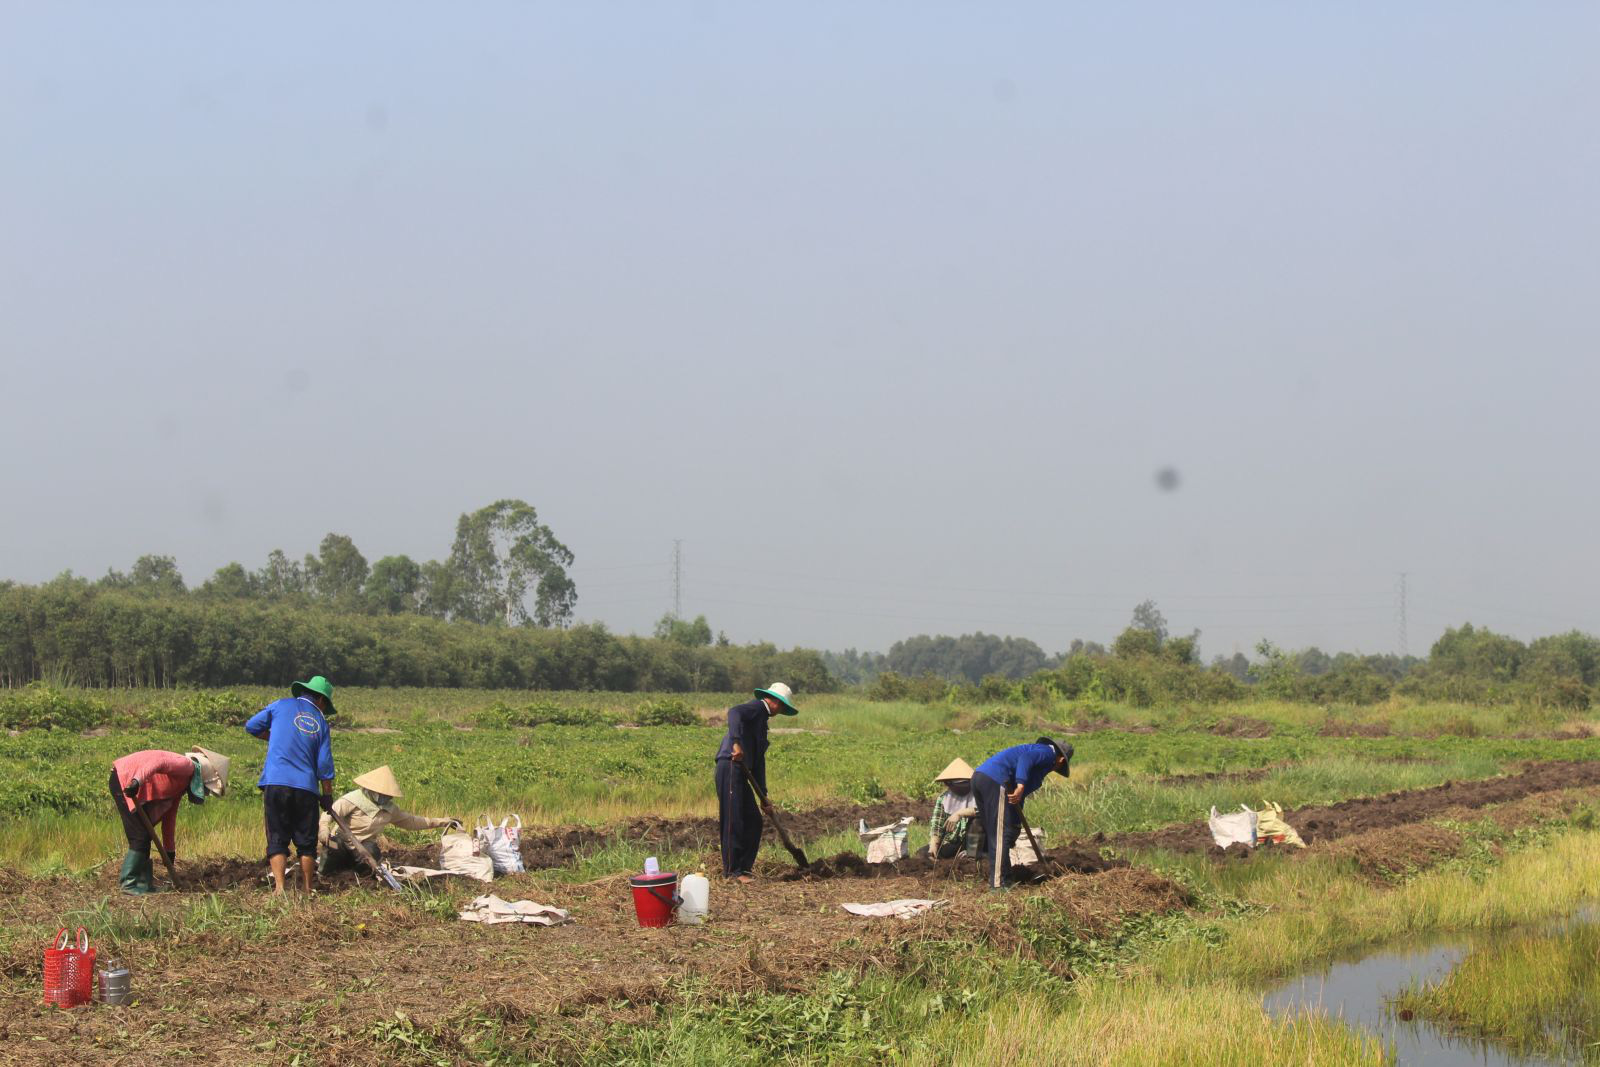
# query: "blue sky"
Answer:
x=890 y=314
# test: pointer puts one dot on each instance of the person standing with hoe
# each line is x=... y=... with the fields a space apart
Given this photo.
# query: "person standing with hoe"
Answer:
x=297 y=777
x=744 y=748
x=1001 y=783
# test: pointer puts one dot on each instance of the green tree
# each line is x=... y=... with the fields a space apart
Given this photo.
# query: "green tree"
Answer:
x=501 y=552
x=231 y=582
x=1136 y=641
x=156 y=574
x=281 y=576
x=696 y=634
x=1146 y=616
x=338 y=571
x=393 y=585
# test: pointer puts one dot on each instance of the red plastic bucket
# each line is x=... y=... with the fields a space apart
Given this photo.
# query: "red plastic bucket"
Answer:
x=654 y=897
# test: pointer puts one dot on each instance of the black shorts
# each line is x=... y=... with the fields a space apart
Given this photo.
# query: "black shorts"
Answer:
x=292 y=815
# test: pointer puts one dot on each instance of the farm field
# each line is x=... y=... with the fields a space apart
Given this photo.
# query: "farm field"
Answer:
x=1153 y=947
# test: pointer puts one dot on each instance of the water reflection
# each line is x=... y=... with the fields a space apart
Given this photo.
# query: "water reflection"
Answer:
x=1356 y=991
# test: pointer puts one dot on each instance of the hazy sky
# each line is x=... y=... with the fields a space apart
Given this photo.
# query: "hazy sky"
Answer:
x=890 y=312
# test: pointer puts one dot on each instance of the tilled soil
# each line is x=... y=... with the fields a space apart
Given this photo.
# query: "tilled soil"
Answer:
x=1330 y=822
x=544 y=848
x=1072 y=859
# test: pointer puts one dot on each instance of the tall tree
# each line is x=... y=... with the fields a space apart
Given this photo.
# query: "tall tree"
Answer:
x=684 y=632
x=156 y=574
x=231 y=582
x=1146 y=616
x=392 y=586
x=501 y=553
x=281 y=576
x=338 y=570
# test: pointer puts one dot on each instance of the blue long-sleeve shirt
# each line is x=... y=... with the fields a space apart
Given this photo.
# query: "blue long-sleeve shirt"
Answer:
x=299 y=750
x=747 y=724
x=1020 y=764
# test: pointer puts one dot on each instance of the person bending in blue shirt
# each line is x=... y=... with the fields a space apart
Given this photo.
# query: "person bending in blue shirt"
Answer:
x=1001 y=783
x=297 y=778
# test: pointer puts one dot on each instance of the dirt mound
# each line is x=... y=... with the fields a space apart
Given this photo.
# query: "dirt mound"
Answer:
x=1328 y=823
x=1073 y=859
x=1242 y=726
x=545 y=848
x=1219 y=776
x=1354 y=729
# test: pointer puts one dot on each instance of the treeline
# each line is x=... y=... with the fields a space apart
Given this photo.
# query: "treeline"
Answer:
x=1146 y=666
x=501 y=557
x=72 y=631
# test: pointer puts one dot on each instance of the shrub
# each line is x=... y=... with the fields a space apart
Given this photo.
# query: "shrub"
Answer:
x=44 y=707
x=665 y=711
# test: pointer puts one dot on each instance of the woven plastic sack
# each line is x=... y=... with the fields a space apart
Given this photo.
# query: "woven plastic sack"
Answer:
x=68 y=970
x=459 y=854
x=1022 y=854
x=886 y=843
x=1234 y=828
x=1271 y=829
x=502 y=843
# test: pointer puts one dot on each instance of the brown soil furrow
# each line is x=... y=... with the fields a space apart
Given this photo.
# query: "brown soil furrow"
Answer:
x=1332 y=821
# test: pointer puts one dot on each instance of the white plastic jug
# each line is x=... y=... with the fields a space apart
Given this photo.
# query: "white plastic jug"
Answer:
x=696 y=893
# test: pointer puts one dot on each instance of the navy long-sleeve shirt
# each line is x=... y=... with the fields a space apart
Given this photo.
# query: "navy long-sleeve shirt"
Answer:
x=747 y=724
x=1024 y=764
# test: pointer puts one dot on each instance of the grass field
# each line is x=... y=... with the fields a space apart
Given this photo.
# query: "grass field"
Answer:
x=1158 y=951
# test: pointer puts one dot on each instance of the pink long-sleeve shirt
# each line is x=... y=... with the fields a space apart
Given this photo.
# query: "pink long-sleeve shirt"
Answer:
x=163 y=780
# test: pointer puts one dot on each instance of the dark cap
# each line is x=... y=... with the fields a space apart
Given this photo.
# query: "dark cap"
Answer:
x=1063 y=751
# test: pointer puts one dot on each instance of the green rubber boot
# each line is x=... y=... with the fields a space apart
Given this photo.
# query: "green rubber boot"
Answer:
x=147 y=873
x=133 y=866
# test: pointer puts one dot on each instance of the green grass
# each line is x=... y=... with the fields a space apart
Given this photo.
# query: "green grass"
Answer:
x=1536 y=993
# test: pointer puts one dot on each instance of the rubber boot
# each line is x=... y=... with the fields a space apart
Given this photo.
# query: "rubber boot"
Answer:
x=147 y=873
x=133 y=866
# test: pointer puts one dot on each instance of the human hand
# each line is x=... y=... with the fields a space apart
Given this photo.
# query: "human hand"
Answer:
x=738 y=753
x=950 y=824
x=1015 y=796
x=131 y=790
x=325 y=802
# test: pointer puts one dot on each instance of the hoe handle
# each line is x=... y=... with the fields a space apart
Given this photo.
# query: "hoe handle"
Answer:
x=777 y=824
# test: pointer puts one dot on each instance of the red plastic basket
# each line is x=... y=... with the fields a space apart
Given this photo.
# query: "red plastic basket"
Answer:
x=68 y=970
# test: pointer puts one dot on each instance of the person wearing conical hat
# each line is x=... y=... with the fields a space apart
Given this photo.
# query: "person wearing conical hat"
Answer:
x=297 y=775
x=745 y=745
x=154 y=780
x=953 y=830
x=368 y=809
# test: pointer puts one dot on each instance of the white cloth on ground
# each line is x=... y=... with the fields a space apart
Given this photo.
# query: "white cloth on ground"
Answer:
x=491 y=909
x=899 y=909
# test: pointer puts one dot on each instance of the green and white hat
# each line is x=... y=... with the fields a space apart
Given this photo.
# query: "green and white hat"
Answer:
x=782 y=694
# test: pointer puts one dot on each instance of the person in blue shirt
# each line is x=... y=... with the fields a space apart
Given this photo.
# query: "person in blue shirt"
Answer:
x=1001 y=784
x=746 y=743
x=297 y=777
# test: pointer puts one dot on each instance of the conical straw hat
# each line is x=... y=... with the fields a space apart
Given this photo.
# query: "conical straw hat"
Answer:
x=957 y=770
x=380 y=781
x=213 y=769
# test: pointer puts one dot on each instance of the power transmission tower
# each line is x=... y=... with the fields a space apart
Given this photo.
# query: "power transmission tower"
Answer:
x=1400 y=616
x=677 y=578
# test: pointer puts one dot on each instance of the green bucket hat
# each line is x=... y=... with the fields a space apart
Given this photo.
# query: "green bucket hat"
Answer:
x=318 y=685
x=781 y=693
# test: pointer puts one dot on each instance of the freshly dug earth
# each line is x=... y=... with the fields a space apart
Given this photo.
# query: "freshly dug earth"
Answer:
x=366 y=979
x=549 y=848
x=1319 y=823
x=1073 y=859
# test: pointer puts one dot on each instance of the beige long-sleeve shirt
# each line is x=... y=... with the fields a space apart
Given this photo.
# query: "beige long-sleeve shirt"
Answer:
x=367 y=820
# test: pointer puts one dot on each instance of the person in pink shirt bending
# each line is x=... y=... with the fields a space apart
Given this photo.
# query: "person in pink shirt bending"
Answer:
x=154 y=781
